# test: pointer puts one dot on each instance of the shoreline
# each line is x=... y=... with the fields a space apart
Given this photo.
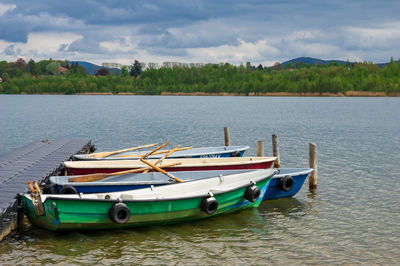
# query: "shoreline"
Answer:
x=251 y=94
x=290 y=94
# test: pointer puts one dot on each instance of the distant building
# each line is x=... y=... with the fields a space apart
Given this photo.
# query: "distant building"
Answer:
x=112 y=65
x=63 y=70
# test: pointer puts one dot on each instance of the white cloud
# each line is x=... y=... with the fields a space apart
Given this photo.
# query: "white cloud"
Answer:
x=212 y=32
x=310 y=43
x=51 y=42
x=303 y=35
x=242 y=52
x=381 y=37
x=124 y=44
x=5 y=8
x=40 y=45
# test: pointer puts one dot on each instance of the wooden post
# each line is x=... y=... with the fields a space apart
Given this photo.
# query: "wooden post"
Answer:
x=275 y=150
x=312 y=179
x=226 y=134
x=260 y=148
x=20 y=220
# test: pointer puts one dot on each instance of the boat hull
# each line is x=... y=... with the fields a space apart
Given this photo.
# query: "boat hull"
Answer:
x=90 y=167
x=67 y=214
x=205 y=152
x=275 y=190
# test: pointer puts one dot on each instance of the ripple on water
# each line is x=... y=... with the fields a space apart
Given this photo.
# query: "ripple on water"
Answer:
x=353 y=218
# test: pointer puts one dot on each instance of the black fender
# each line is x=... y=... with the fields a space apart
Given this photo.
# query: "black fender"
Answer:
x=252 y=193
x=119 y=213
x=286 y=183
x=209 y=205
x=67 y=189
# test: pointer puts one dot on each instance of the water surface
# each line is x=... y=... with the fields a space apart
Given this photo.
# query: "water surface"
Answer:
x=353 y=218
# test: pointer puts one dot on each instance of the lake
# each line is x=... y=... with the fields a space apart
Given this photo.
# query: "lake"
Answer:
x=352 y=219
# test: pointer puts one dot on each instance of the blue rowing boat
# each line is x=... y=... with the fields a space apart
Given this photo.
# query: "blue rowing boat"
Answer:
x=204 y=152
x=286 y=183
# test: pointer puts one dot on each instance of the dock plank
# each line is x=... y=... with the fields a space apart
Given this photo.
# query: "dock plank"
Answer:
x=33 y=162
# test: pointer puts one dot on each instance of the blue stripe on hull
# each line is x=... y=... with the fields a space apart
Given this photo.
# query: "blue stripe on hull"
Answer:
x=274 y=191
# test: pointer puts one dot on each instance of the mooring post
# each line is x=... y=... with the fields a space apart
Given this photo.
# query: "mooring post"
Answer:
x=260 y=148
x=313 y=164
x=226 y=134
x=275 y=150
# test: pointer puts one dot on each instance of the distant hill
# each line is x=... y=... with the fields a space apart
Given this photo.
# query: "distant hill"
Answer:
x=316 y=61
x=92 y=68
x=312 y=61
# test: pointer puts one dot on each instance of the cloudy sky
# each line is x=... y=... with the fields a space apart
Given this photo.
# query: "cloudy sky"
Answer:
x=195 y=31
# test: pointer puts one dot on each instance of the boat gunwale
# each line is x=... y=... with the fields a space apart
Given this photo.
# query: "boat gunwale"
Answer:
x=294 y=173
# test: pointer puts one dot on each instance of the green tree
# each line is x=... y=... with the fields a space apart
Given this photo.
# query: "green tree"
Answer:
x=81 y=86
x=32 y=67
x=5 y=76
x=125 y=71
x=92 y=87
x=66 y=87
x=53 y=68
x=136 y=69
x=21 y=64
x=103 y=72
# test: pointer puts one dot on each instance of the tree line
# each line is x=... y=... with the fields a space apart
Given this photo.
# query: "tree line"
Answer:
x=63 y=77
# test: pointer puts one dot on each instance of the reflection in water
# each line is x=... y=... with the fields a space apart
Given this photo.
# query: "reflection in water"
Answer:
x=285 y=206
x=207 y=239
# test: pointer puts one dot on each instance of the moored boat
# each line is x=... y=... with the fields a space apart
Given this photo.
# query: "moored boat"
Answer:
x=286 y=183
x=174 y=203
x=204 y=152
x=66 y=185
x=183 y=164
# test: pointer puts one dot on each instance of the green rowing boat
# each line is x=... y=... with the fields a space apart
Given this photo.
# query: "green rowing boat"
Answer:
x=173 y=203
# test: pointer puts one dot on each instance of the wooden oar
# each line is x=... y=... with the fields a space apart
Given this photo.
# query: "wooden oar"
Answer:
x=155 y=150
x=158 y=152
x=165 y=156
x=37 y=187
x=105 y=154
x=99 y=176
x=161 y=170
x=31 y=187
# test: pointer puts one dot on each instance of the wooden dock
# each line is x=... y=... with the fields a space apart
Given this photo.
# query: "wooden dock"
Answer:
x=36 y=161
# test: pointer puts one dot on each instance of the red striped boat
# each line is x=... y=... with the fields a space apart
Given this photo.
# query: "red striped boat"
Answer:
x=184 y=164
